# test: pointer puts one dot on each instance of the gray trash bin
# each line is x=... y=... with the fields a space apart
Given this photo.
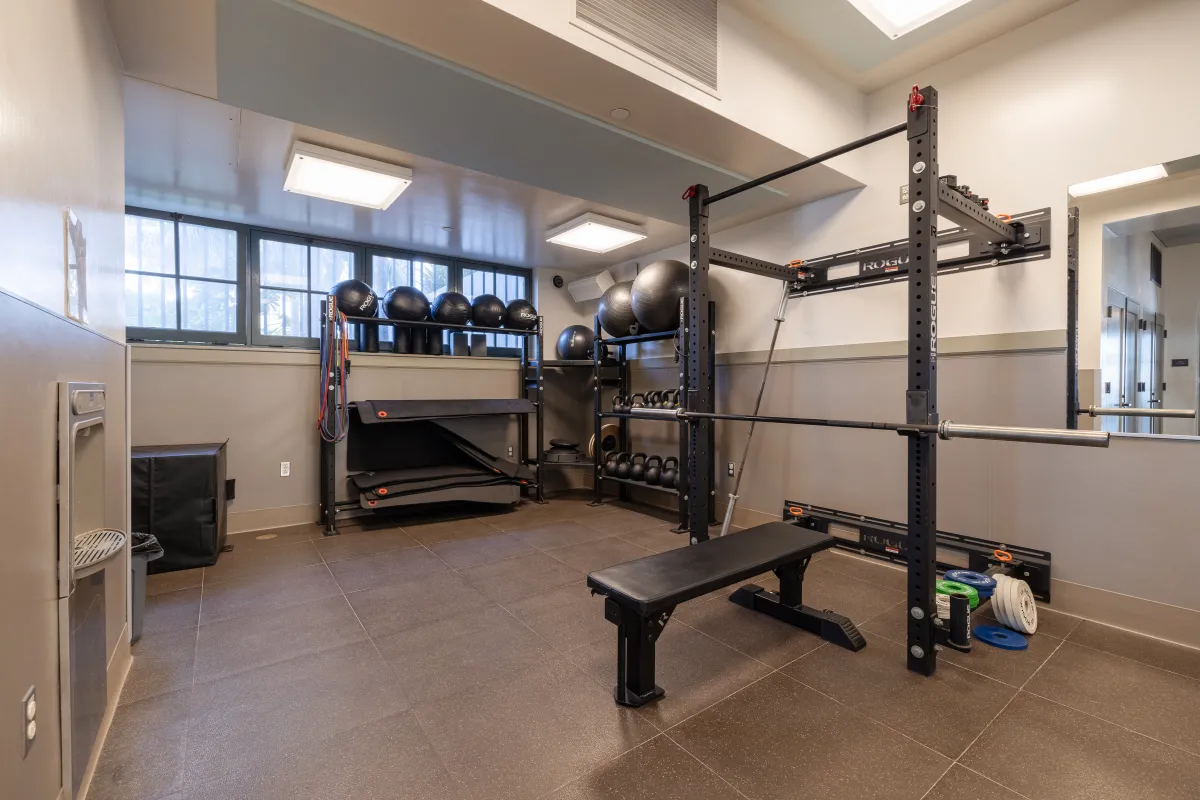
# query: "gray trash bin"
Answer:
x=144 y=549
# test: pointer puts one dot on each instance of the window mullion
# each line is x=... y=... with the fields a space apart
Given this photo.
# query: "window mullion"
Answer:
x=178 y=283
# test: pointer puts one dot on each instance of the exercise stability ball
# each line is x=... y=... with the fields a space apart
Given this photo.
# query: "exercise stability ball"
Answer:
x=487 y=311
x=406 y=304
x=575 y=343
x=656 y=293
x=452 y=308
x=355 y=299
x=522 y=315
x=616 y=310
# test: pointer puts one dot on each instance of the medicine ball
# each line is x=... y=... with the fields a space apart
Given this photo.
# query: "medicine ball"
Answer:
x=522 y=315
x=406 y=303
x=575 y=343
x=616 y=310
x=452 y=308
x=487 y=311
x=656 y=293
x=355 y=299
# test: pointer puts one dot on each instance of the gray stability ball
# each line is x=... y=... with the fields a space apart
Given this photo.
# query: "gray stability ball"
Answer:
x=616 y=310
x=657 y=290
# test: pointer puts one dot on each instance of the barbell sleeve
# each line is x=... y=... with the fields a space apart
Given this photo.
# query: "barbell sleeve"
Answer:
x=1175 y=413
x=656 y=413
x=953 y=430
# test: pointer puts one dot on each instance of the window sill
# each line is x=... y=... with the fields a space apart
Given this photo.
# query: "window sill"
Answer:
x=167 y=353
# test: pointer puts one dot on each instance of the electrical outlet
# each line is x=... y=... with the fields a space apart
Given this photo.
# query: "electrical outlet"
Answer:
x=729 y=469
x=510 y=451
x=285 y=469
x=29 y=718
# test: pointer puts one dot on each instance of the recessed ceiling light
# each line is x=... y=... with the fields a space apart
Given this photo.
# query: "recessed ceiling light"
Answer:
x=1131 y=178
x=595 y=233
x=619 y=113
x=898 y=17
x=333 y=175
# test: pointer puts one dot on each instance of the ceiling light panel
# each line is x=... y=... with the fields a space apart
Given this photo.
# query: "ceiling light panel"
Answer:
x=898 y=17
x=1131 y=178
x=595 y=233
x=333 y=175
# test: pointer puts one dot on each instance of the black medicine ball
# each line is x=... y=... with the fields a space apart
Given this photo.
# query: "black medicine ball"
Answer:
x=522 y=315
x=355 y=299
x=487 y=311
x=406 y=303
x=452 y=308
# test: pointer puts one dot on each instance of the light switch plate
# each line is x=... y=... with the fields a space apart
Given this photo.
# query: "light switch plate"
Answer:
x=285 y=469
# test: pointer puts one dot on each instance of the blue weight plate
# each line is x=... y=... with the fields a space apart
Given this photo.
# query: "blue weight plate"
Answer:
x=977 y=580
x=1000 y=637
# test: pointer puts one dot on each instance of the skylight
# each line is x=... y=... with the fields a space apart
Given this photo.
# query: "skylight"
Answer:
x=898 y=17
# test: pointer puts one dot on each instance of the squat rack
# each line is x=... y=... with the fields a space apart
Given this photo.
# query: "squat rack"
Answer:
x=930 y=197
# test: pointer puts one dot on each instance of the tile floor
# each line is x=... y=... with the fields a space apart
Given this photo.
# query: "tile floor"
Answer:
x=465 y=658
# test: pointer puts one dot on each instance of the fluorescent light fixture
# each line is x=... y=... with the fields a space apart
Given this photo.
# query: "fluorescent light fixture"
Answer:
x=595 y=233
x=898 y=17
x=333 y=175
x=1131 y=178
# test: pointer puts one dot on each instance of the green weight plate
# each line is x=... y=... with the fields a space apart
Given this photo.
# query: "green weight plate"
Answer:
x=954 y=587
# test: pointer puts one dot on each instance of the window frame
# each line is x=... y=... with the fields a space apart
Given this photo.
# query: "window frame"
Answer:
x=249 y=281
x=179 y=334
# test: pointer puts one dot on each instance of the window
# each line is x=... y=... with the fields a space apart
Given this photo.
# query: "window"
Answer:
x=182 y=280
x=389 y=271
x=294 y=274
x=506 y=284
x=207 y=282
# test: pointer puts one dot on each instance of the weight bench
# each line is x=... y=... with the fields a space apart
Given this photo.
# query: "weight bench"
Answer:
x=639 y=596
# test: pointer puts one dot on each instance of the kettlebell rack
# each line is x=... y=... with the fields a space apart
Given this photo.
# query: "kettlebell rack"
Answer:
x=531 y=390
x=616 y=349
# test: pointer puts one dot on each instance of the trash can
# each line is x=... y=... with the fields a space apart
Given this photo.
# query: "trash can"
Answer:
x=143 y=549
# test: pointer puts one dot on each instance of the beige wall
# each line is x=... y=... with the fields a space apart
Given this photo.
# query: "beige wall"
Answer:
x=61 y=146
x=264 y=401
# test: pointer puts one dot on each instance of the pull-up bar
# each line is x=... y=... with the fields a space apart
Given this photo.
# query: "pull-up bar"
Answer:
x=943 y=430
x=834 y=153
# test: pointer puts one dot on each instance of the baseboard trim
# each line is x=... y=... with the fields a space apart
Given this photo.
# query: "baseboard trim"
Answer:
x=1135 y=614
x=261 y=519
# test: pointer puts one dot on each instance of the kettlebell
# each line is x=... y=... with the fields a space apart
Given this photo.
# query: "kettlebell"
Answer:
x=670 y=472
x=619 y=405
x=654 y=470
x=654 y=399
x=610 y=465
x=637 y=469
x=671 y=399
x=636 y=401
x=623 y=465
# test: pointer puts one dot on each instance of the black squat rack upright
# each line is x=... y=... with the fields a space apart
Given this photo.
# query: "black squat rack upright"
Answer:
x=929 y=197
x=531 y=382
x=622 y=383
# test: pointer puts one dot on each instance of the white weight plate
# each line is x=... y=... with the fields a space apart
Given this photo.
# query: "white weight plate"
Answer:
x=943 y=605
x=1012 y=597
x=998 y=609
x=1025 y=612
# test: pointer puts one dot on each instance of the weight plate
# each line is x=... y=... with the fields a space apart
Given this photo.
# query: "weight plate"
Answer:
x=1024 y=609
x=1000 y=637
x=953 y=587
x=984 y=584
x=998 y=610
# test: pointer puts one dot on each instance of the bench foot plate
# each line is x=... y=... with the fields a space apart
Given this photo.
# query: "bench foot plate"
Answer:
x=830 y=626
x=625 y=697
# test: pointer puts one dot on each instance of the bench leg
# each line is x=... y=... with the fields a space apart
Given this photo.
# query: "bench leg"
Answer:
x=636 y=636
x=787 y=606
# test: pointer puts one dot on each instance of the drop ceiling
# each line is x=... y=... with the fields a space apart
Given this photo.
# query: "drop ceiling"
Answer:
x=189 y=154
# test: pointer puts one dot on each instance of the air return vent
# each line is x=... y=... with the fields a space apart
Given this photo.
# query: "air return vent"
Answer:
x=681 y=34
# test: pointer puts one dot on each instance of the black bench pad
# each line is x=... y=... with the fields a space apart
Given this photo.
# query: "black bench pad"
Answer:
x=664 y=580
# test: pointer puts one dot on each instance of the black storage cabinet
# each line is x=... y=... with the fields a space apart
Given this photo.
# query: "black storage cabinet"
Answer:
x=179 y=496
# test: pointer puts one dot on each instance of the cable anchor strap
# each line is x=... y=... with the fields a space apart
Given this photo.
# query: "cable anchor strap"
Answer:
x=915 y=99
x=689 y=193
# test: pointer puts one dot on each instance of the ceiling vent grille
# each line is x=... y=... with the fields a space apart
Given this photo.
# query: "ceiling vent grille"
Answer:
x=681 y=34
